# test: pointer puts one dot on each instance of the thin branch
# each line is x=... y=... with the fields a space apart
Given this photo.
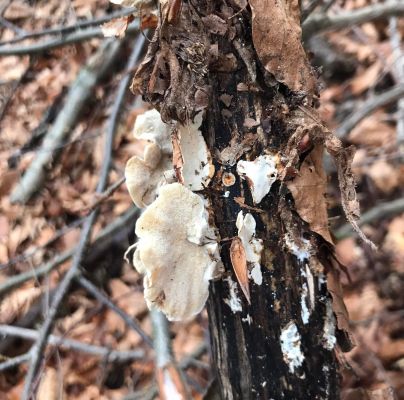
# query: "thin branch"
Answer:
x=130 y=321
x=370 y=105
x=71 y=344
x=319 y=23
x=168 y=372
x=63 y=30
x=382 y=210
x=15 y=361
x=102 y=240
x=38 y=348
x=78 y=95
x=307 y=10
x=106 y=194
x=398 y=73
x=75 y=37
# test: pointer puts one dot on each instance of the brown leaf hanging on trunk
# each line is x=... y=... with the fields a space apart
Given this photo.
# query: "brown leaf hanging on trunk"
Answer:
x=277 y=39
x=239 y=262
x=178 y=160
x=308 y=190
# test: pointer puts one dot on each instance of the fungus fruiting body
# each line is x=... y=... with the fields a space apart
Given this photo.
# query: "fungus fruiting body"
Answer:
x=177 y=252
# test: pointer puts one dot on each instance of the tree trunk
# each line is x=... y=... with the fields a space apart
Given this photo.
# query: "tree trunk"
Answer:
x=273 y=334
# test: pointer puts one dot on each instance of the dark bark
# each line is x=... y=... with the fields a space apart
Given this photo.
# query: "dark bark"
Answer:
x=205 y=59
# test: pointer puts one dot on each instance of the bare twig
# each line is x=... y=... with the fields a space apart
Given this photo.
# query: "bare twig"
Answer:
x=15 y=361
x=73 y=272
x=130 y=321
x=106 y=194
x=319 y=23
x=102 y=240
x=382 y=210
x=398 y=73
x=370 y=105
x=310 y=8
x=167 y=368
x=71 y=344
x=75 y=37
x=63 y=30
x=78 y=95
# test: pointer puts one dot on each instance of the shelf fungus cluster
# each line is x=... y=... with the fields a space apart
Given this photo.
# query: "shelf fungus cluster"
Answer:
x=177 y=249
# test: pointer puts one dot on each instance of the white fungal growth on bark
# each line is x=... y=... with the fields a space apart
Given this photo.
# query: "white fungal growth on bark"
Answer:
x=300 y=250
x=291 y=346
x=329 y=339
x=252 y=246
x=307 y=296
x=177 y=252
x=198 y=167
x=145 y=175
x=305 y=311
x=233 y=301
x=260 y=174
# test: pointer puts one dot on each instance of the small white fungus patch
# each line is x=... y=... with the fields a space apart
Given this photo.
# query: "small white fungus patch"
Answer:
x=247 y=319
x=177 y=252
x=256 y=274
x=291 y=346
x=329 y=339
x=252 y=246
x=261 y=174
x=301 y=251
x=234 y=300
x=305 y=313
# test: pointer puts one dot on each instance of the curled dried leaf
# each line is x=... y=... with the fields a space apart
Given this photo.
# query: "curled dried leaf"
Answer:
x=239 y=262
x=276 y=36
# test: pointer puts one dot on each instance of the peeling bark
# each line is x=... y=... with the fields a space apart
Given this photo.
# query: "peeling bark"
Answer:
x=278 y=339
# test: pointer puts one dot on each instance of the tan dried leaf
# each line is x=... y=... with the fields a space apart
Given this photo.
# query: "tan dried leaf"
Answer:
x=339 y=309
x=116 y=27
x=171 y=383
x=239 y=262
x=49 y=387
x=178 y=160
x=17 y=303
x=308 y=190
x=276 y=35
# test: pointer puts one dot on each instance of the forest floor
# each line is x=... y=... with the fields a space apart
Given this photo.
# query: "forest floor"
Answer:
x=360 y=66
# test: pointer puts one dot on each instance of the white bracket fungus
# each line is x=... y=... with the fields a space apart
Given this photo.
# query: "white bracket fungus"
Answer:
x=291 y=346
x=145 y=176
x=260 y=174
x=252 y=246
x=177 y=252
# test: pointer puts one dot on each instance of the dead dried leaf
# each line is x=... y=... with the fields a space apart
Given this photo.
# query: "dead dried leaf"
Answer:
x=239 y=263
x=116 y=27
x=308 y=190
x=276 y=36
x=49 y=387
x=170 y=383
x=178 y=160
x=384 y=176
x=17 y=303
x=366 y=79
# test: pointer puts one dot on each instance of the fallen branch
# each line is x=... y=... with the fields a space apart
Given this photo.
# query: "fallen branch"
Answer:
x=14 y=362
x=382 y=210
x=130 y=321
x=78 y=95
x=102 y=241
x=106 y=194
x=398 y=73
x=320 y=23
x=368 y=107
x=112 y=356
x=39 y=346
x=63 y=30
x=46 y=45
x=169 y=376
